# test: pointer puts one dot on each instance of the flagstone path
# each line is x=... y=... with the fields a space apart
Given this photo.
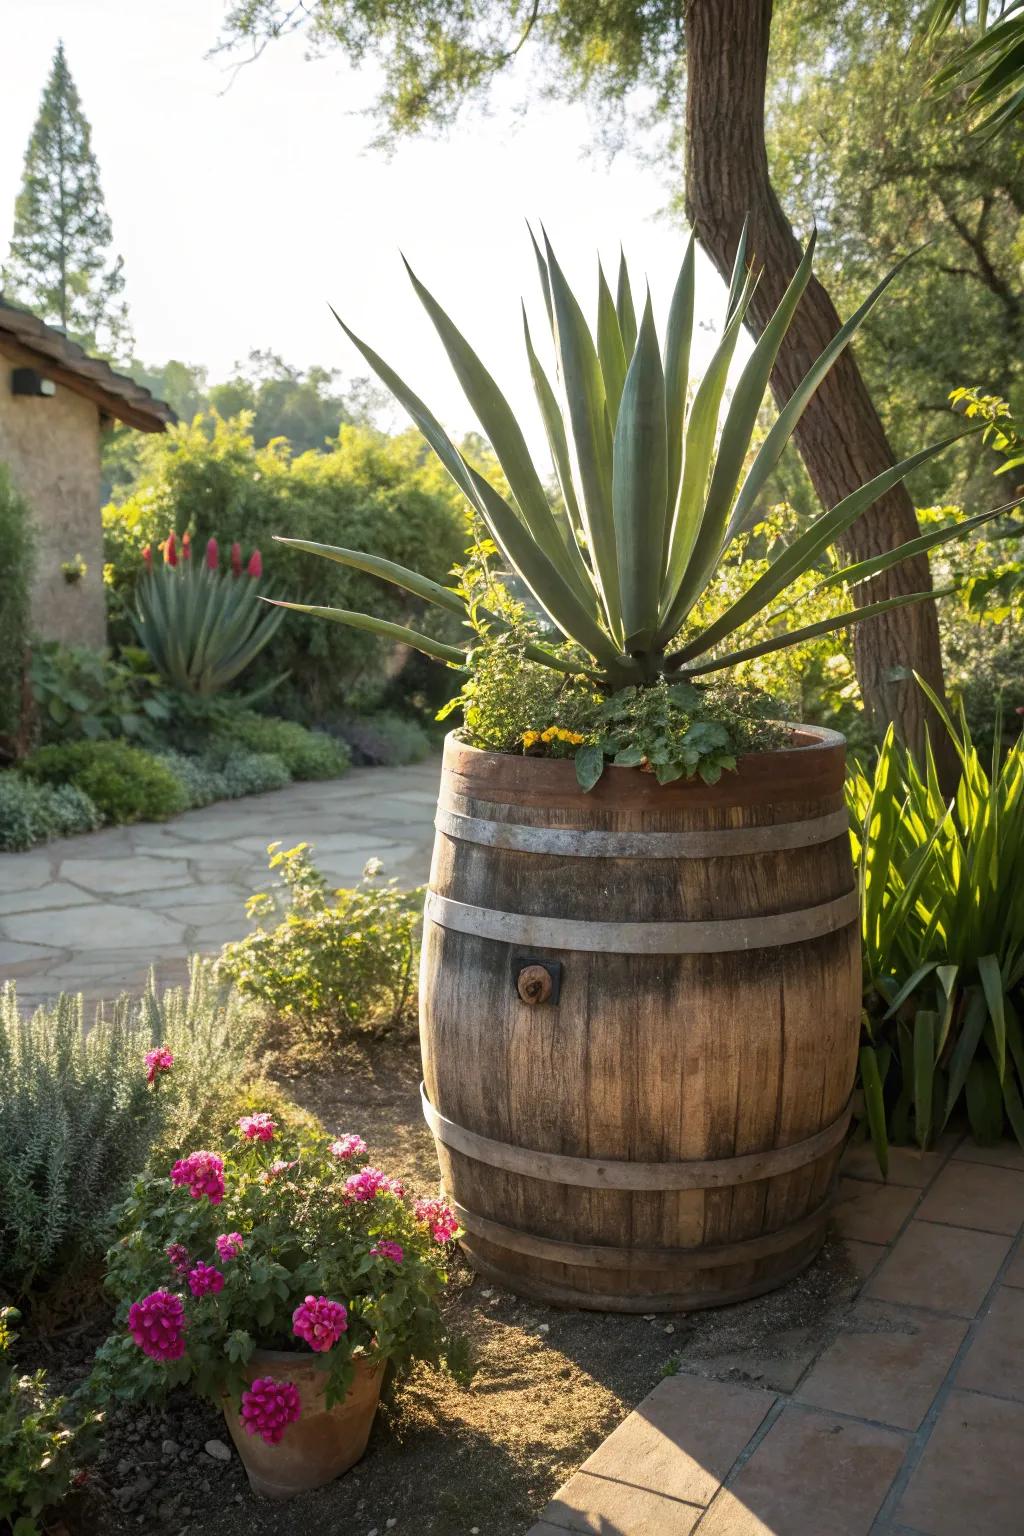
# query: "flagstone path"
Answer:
x=909 y=1423
x=92 y=914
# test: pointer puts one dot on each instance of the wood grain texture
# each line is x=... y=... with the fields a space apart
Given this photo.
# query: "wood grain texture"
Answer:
x=645 y=1058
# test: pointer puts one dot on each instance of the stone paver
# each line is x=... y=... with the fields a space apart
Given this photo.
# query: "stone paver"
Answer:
x=93 y=913
x=907 y=1421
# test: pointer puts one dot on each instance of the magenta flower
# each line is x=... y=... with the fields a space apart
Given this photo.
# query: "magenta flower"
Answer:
x=276 y=1169
x=439 y=1217
x=320 y=1322
x=258 y=1127
x=255 y=566
x=160 y=1060
x=269 y=1406
x=178 y=1255
x=347 y=1147
x=212 y=555
x=386 y=1249
x=157 y=1324
x=204 y=1280
x=203 y=1172
x=229 y=1245
x=368 y=1183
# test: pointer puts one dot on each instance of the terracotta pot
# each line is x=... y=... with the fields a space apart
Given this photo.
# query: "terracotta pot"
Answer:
x=321 y=1444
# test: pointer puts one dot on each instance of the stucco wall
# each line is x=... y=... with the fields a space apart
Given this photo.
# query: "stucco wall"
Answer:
x=52 y=448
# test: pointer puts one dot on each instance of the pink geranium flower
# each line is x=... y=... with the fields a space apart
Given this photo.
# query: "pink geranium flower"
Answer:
x=157 y=1324
x=257 y=1127
x=160 y=1060
x=368 y=1183
x=439 y=1217
x=178 y=1255
x=347 y=1147
x=204 y=1280
x=203 y=1172
x=229 y=1245
x=269 y=1406
x=386 y=1249
x=320 y=1321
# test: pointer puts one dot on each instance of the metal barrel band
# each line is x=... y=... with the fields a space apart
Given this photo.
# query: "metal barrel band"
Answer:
x=608 y=1173
x=596 y=843
x=605 y=1256
x=719 y=936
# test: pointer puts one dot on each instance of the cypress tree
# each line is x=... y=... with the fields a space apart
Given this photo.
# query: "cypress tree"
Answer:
x=60 y=263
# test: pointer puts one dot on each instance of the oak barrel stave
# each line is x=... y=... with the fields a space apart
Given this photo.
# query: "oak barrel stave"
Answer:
x=650 y=1058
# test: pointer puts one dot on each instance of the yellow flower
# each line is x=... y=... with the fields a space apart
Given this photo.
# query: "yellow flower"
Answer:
x=529 y=737
x=573 y=737
x=549 y=734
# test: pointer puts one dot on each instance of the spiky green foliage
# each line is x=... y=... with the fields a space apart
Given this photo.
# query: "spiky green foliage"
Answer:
x=989 y=66
x=942 y=886
x=201 y=627
x=658 y=477
x=78 y=1119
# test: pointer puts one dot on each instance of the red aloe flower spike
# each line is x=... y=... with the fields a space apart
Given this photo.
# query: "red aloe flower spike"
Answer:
x=171 y=549
x=255 y=566
x=236 y=559
x=147 y=555
x=212 y=555
x=186 y=546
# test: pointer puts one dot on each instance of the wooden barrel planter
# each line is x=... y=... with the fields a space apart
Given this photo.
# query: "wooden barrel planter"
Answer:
x=639 y=1020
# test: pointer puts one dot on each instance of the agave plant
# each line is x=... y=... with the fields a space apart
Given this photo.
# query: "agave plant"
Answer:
x=201 y=626
x=656 y=476
x=942 y=888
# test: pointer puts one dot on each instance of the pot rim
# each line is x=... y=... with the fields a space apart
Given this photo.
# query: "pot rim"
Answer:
x=818 y=738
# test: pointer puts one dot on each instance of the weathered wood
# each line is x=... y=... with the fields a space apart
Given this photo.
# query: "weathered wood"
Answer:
x=669 y=1061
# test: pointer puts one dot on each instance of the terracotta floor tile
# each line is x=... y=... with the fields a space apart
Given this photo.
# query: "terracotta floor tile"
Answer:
x=977 y=1195
x=812 y=1475
x=886 y=1364
x=664 y=1463
x=865 y=1257
x=908 y=1166
x=946 y=1268
x=968 y=1482
x=873 y=1213
x=1015 y=1274
x=1008 y=1154
x=995 y=1361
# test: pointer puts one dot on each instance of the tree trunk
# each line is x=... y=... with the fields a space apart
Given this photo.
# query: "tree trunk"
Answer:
x=840 y=435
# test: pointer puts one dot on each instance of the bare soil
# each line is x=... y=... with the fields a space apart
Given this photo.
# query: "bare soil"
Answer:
x=446 y=1461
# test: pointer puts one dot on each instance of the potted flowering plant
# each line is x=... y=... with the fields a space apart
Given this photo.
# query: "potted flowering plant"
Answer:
x=280 y=1279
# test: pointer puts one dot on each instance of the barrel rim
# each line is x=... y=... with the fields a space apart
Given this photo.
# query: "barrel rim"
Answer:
x=814 y=765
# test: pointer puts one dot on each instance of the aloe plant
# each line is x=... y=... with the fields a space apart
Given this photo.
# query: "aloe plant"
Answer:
x=942 y=887
x=201 y=626
x=656 y=476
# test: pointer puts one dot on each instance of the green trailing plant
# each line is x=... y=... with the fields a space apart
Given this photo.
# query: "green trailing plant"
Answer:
x=33 y=813
x=123 y=782
x=201 y=625
x=78 y=1118
x=942 y=888
x=657 y=479
x=40 y=1440
x=328 y=961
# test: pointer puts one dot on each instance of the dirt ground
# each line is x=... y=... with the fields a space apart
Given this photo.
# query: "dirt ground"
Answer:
x=445 y=1461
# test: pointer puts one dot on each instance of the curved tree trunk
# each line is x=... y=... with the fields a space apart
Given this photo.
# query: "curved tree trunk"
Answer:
x=840 y=436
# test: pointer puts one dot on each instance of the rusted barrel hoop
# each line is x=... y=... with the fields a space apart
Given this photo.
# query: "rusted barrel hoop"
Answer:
x=606 y=1173
x=602 y=1256
x=583 y=842
x=540 y=931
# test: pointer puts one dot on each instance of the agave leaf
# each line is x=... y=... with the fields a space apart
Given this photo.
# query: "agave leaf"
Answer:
x=805 y=550
x=610 y=350
x=500 y=426
x=387 y=570
x=678 y=338
x=740 y=277
x=375 y=626
x=639 y=474
x=554 y=427
x=545 y=279
x=591 y=435
x=863 y=570
x=811 y=631
x=624 y=307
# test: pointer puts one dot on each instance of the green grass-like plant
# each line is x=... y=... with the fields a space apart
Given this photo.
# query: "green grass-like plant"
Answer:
x=942 y=885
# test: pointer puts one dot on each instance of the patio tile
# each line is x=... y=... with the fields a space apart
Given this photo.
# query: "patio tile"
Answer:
x=658 y=1470
x=990 y=1199
x=56 y=894
x=24 y=871
x=1015 y=1273
x=995 y=1361
x=95 y=926
x=812 y=1475
x=874 y=1213
x=864 y=1257
x=886 y=1364
x=122 y=877
x=1008 y=1154
x=948 y=1269
x=968 y=1481
x=908 y=1166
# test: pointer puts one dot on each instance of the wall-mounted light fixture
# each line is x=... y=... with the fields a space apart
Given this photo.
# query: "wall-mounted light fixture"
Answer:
x=26 y=381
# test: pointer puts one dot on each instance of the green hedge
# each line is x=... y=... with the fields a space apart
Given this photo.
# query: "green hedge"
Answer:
x=16 y=563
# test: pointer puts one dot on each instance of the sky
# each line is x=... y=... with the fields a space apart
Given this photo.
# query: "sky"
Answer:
x=244 y=201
